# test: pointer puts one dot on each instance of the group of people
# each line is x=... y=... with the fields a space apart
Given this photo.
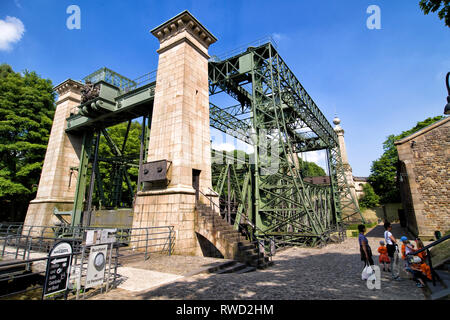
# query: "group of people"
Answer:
x=388 y=250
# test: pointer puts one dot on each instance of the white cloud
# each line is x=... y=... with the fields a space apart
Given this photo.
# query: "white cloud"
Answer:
x=11 y=31
x=17 y=3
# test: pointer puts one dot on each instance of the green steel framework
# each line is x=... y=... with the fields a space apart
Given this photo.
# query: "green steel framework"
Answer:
x=274 y=106
x=265 y=194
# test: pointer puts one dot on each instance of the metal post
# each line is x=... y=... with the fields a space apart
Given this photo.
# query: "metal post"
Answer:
x=91 y=184
x=109 y=267
x=81 y=180
x=80 y=272
x=141 y=155
x=17 y=247
x=116 y=264
x=146 y=243
x=229 y=195
x=170 y=241
x=433 y=279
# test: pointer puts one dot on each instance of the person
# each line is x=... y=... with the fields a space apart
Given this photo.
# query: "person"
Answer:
x=391 y=246
x=419 y=244
x=425 y=268
x=384 y=258
x=419 y=270
x=407 y=247
x=364 y=248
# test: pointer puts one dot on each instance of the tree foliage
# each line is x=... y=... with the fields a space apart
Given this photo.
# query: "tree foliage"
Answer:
x=311 y=169
x=108 y=168
x=384 y=170
x=442 y=6
x=26 y=113
x=370 y=199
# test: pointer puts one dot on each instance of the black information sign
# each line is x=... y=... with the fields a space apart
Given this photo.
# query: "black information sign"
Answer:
x=58 y=267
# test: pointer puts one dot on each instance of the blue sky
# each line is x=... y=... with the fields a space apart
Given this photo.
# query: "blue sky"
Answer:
x=379 y=82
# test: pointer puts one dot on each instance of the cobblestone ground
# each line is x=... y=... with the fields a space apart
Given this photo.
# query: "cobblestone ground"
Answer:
x=332 y=272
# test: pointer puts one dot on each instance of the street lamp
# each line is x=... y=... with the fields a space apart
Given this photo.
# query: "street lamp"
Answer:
x=447 y=106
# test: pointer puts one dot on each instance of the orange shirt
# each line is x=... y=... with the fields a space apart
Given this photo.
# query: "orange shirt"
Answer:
x=382 y=250
x=422 y=255
x=403 y=252
x=425 y=270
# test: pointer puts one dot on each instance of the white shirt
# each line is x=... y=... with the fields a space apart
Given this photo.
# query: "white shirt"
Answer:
x=387 y=237
x=408 y=250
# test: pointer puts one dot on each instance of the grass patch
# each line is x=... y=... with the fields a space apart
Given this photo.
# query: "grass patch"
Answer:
x=367 y=225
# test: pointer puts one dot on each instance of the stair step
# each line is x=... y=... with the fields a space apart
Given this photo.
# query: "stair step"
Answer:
x=442 y=288
x=221 y=266
x=246 y=247
x=247 y=269
x=444 y=275
x=438 y=291
x=233 y=268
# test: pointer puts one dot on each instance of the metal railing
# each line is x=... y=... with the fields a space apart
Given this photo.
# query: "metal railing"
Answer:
x=24 y=252
x=142 y=80
x=243 y=48
x=434 y=275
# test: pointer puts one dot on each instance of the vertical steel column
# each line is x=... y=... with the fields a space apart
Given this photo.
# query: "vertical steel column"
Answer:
x=229 y=195
x=92 y=182
x=81 y=181
x=141 y=156
x=335 y=201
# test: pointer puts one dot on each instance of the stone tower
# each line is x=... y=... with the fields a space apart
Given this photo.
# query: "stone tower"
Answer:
x=58 y=182
x=180 y=131
x=347 y=168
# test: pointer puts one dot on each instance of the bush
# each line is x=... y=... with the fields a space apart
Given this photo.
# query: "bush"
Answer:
x=370 y=199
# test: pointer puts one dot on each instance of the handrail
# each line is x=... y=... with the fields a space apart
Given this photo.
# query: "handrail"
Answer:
x=430 y=245
x=434 y=275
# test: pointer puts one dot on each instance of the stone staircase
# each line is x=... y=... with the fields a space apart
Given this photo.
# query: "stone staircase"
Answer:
x=441 y=291
x=231 y=243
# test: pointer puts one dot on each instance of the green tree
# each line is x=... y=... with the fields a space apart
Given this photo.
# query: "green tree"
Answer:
x=107 y=167
x=370 y=199
x=311 y=169
x=27 y=105
x=443 y=6
x=384 y=170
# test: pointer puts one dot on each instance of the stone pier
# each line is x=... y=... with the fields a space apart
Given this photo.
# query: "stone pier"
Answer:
x=347 y=169
x=58 y=182
x=180 y=131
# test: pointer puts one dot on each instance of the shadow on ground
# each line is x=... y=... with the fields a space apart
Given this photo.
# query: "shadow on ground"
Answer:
x=397 y=232
x=308 y=276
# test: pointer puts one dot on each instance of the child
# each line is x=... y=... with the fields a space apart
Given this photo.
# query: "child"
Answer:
x=384 y=258
x=407 y=247
x=422 y=255
x=420 y=271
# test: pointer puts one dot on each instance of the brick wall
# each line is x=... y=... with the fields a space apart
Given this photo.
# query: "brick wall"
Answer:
x=426 y=158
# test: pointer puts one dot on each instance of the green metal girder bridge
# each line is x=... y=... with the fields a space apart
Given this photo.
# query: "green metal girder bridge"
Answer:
x=262 y=194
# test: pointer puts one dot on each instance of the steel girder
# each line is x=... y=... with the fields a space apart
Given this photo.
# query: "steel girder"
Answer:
x=277 y=203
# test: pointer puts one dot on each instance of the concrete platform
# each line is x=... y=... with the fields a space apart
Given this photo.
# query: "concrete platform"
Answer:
x=135 y=279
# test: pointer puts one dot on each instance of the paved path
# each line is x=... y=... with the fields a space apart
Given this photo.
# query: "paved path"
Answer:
x=333 y=272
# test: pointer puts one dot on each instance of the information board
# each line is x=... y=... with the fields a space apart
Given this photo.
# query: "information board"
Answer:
x=58 y=266
x=96 y=266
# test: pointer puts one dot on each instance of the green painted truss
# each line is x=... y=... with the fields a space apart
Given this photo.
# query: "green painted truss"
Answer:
x=262 y=194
